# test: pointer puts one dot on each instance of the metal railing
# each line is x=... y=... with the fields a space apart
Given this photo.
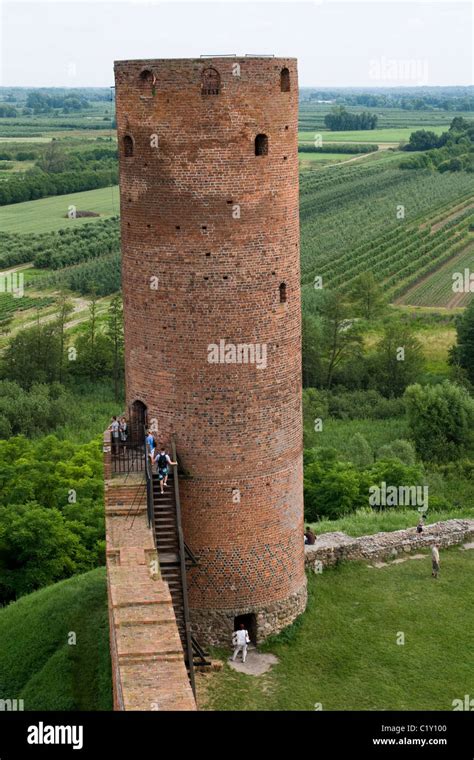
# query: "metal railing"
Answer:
x=182 y=560
x=149 y=485
x=127 y=457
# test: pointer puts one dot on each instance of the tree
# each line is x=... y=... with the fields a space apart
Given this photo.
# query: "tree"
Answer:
x=423 y=139
x=330 y=490
x=36 y=548
x=359 y=451
x=398 y=360
x=311 y=351
x=441 y=420
x=367 y=295
x=65 y=310
x=54 y=159
x=114 y=332
x=341 y=338
x=462 y=354
x=33 y=355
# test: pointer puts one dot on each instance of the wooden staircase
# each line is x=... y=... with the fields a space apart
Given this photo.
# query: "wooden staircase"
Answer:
x=175 y=558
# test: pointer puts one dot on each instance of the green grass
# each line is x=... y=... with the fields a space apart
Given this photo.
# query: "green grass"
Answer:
x=48 y=214
x=366 y=522
x=38 y=665
x=343 y=651
x=338 y=433
x=366 y=135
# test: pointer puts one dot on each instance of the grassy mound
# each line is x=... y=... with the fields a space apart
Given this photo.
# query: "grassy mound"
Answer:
x=345 y=652
x=37 y=662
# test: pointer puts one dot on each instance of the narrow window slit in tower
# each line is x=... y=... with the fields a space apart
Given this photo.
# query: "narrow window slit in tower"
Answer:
x=261 y=145
x=285 y=80
x=128 y=146
x=282 y=290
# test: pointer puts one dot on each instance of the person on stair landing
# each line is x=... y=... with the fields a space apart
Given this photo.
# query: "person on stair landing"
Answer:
x=163 y=460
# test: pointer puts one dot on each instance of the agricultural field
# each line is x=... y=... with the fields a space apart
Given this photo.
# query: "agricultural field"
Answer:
x=409 y=224
x=48 y=214
x=391 y=136
x=437 y=289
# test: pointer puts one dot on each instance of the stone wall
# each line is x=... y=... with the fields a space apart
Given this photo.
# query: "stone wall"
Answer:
x=215 y=627
x=148 y=668
x=331 y=548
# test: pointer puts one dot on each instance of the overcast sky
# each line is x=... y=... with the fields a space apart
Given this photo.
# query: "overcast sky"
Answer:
x=351 y=43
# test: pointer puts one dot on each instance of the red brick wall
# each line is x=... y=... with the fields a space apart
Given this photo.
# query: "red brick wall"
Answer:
x=148 y=668
x=218 y=278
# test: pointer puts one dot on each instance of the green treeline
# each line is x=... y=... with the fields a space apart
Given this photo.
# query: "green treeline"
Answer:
x=340 y=120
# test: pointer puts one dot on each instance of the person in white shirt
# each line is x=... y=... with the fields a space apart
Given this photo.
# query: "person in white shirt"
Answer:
x=435 y=561
x=240 y=640
x=115 y=428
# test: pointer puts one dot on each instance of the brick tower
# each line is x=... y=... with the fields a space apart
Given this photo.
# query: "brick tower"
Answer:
x=211 y=286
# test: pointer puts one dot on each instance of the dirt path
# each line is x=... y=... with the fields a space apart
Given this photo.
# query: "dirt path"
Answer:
x=79 y=303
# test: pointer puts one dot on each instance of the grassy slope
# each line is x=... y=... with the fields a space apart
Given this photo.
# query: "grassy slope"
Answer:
x=47 y=214
x=36 y=662
x=344 y=654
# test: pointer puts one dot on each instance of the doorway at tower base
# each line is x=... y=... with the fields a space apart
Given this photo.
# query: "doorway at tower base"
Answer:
x=214 y=627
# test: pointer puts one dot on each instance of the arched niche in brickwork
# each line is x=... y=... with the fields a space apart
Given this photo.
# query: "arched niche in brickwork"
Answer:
x=283 y=293
x=138 y=420
x=285 y=80
x=147 y=81
x=210 y=81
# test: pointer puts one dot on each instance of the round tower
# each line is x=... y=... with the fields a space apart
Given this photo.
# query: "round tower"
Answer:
x=211 y=286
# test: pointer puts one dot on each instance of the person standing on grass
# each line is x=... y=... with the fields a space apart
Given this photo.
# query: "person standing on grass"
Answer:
x=240 y=640
x=435 y=561
x=162 y=459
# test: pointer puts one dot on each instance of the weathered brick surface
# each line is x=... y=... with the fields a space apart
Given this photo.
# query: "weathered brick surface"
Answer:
x=147 y=658
x=194 y=274
x=331 y=548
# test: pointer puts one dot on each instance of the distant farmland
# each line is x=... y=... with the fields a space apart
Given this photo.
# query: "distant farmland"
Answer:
x=48 y=214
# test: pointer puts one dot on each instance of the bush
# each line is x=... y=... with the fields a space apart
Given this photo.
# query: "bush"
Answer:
x=441 y=421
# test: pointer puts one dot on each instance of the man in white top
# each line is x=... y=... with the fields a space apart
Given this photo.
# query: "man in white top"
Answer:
x=435 y=561
x=240 y=640
x=115 y=428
